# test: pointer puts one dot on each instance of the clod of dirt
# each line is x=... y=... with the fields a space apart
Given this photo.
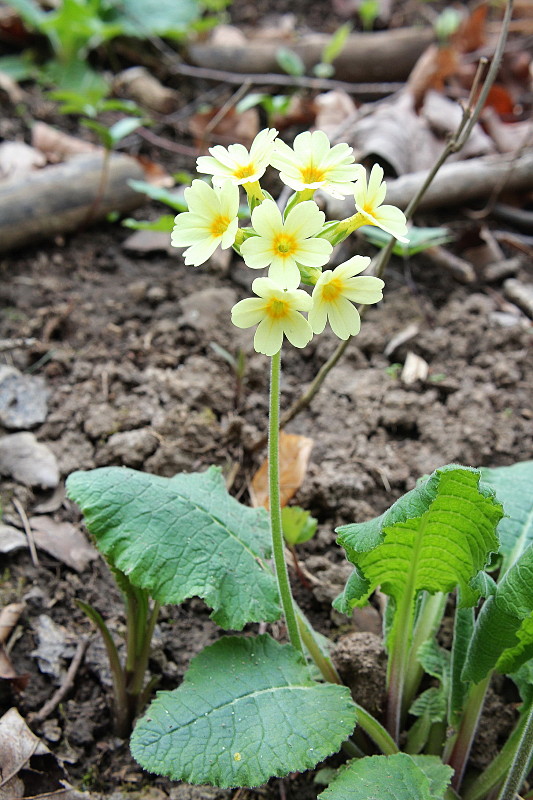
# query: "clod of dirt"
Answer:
x=23 y=399
x=361 y=660
x=28 y=461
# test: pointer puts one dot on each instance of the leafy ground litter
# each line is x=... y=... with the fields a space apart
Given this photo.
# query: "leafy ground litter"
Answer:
x=124 y=341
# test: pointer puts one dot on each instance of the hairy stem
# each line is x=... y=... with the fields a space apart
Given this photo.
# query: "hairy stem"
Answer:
x=498 y=767
x=278 y=548
x=467 y=730
x=428 y=621
x=522 y=758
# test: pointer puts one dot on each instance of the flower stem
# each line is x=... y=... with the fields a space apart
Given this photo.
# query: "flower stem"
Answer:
x=278 y=548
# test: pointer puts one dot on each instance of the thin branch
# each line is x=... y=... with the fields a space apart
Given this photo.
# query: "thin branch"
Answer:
x=469 y=119
x=289 y=81
x=67 y=684
x=27 y=530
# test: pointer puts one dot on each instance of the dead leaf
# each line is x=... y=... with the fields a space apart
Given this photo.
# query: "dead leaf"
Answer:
x=56 y=145
x=509 y=137
x=433 y=68
x=233 y=127
x=154 y=173
x=415 y=369
x=11 y=539
x=9 y=616
x=63 y=541
x=17 y=159
x=471 y=34
x=333 y=110
x=139 y=85
x=294 y=454
x=227 y=36
x=28 y=461
x=11 y=89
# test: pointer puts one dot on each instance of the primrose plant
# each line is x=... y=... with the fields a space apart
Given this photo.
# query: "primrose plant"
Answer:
x=250 y=708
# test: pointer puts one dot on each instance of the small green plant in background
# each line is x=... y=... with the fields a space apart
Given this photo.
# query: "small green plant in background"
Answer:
x=250 y=708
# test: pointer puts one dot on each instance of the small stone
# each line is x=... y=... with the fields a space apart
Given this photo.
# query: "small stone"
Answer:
x=28 y=461
x=520 y=293
x=130 y=448
x=23 y=399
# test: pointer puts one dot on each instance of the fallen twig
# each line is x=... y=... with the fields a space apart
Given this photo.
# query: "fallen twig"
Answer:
x=67 y=684
x=366 y=89
x=27 y=530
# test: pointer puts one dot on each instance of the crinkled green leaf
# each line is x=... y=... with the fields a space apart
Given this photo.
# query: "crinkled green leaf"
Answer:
x=180 y=537
x=523 y=679
x=432 y=703
x=397 y=777
x=434 y=659
x=503 y=634
x=247 y=710
x=462 y=633
x=435 y=538
x=513 y=487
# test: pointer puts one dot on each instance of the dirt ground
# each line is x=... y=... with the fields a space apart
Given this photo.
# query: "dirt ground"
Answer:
x=124 y=343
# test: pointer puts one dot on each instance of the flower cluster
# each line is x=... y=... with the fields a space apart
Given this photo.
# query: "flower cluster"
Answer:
x=294 y=244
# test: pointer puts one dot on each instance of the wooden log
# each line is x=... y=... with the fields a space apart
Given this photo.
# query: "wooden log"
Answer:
x=455 y=184
x=379 y=56
x=61 y=198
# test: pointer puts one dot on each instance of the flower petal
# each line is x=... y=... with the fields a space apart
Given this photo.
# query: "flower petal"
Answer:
x=266 y=219
x=365 y=290
x=313 y=252
x=248 y=312
x=285 y=273
x=268 y=337
x=200 y=252
x=257 y=252
x=318 y=315
x=304 y=220
x=297 y=330
x=344 y=318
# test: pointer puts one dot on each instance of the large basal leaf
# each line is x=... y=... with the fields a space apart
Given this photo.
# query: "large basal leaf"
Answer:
x=513 y=487
x=434 y=538
x=247 y=710
x=397 y=777
x=180 y=537
x=503 y=634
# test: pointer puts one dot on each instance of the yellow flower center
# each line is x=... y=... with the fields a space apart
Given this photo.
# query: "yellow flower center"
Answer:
x=244 y=172
x=332 y=290
x=312 y=174
x=219 y=226
x=276 y=308
x=284 y=245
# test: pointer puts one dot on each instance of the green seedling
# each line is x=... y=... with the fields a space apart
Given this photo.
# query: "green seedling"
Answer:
x=419 y=239
x=298 y=525
x=250 y=708
x=130 y=690
x=368 y=12
x=274 y=105
x=334 y=47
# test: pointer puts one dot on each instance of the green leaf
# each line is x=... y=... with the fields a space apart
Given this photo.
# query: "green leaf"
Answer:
x=513 y=489
x=180 y=537
x=298 y=525
x=336 y=44
x=164 y=223
x=463 y=629
x=143 y=18
x=435 y=660
x=432 y=703
x=174 y=199
x=247 y=710
x=30 y=11
x=20 y=68
x=503 y=634
x=419 y=239
x=290 y=62
x=397 y=777
x=124 y=127
x=523 y=679
x=436 y=537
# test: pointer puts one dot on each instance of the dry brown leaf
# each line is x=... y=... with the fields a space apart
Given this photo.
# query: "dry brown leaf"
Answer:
x=433 y=68
x=471 y=34
x=509 y=137
x=333 y=109
x=56 y=145
x=9 y=616
x=227 y=36
x=233 y=127
x=139 y=85
x=294 y=454
x=11 y=88
x=154 y=173
x=63 y=541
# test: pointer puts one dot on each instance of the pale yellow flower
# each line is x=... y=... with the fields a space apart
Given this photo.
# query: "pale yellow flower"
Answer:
x=314 y=164
x=235 y=163
x=283 y=244
x=276 y=312
x=368 y=202
x=210 y=221
x=336 y=291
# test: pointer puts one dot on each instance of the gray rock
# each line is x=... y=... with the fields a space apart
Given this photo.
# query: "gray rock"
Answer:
x=23 y=399
x=130 y=448
x=28 y=461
